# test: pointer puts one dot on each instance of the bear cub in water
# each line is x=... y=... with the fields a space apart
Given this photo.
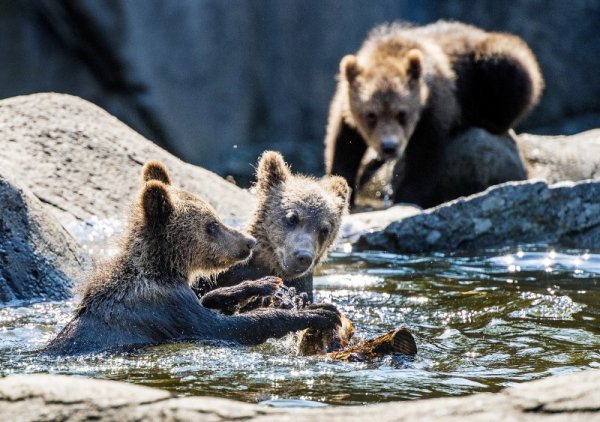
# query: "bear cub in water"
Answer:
x=295 y=213
x=143 y=296
x=296 y=221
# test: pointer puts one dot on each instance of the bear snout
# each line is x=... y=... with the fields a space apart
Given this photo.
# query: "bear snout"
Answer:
x=301 y=261
x=389 y=147
x=250 y=242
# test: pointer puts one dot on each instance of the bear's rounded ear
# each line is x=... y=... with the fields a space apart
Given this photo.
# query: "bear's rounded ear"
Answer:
x=339 y=187
x=156 y=202
x=155 y=170
x=271 y=171
x=414 y=63
x=349 y=67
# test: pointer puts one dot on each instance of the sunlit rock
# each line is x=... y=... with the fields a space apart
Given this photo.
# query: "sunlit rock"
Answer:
x=532 y=212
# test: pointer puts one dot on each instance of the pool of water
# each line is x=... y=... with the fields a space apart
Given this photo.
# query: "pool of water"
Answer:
x=482 y=323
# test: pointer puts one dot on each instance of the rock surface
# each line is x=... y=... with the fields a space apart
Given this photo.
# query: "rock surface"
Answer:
x=513 y=213
x=479 y=159
x=38 y=258
x=354 y=225
x=83 y=163
x=575 y=397
x=557 y=158
x=201 y=77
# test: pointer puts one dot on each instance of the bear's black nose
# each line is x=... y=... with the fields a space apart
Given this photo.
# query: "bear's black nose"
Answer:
x=389 y=147
x=303 y=258
x=250 y=242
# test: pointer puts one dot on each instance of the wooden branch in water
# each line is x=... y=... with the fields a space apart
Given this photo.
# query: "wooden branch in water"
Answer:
x=397 y=341
x=336 y=344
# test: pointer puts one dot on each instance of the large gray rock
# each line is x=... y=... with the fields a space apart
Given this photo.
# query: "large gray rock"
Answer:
x=479 y=159
x=83 y=163
x=575 y=397
x=509 y=214
x=38 y=258
x=201 y=77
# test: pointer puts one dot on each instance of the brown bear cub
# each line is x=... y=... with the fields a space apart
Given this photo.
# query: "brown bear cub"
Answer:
x=408 y=90
x=143 y=296
x=296 y=217
x=296 y=221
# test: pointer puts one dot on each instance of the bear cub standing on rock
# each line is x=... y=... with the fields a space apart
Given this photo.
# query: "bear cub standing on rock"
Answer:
x=408 y=90
x=296 y=221
x=143 y=296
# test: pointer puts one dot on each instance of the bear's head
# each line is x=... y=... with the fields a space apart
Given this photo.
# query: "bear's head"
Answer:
x=387 y=94
x=297 y=217
x=175 y=232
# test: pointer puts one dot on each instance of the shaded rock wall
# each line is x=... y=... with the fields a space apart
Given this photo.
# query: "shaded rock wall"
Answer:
x=200 y=78
x=38 y=258
x=574 y=397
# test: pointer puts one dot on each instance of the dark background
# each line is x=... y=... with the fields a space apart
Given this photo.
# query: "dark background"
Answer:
x=216 y=82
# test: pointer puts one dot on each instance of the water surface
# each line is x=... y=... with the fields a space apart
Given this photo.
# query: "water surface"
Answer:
x=482 y=323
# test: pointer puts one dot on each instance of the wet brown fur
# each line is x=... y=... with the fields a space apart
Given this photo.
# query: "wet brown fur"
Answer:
x=443 y=77
x=319 y=205
x=143 y=296
x=279 y=192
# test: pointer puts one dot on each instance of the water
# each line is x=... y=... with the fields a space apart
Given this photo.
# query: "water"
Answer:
x=482 y=323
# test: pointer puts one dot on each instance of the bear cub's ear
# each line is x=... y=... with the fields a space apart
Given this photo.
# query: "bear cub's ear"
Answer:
x=414 y=63
x=155 y=170
x=349 y=67
x=339 y=187
x=271 y=171
x=156 y=202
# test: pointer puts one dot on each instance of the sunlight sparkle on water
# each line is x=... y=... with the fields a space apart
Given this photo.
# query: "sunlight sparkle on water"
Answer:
x=468 y=319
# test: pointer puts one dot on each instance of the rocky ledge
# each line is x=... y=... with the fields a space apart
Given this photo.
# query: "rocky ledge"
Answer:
x=531 y=212
x=575 y=397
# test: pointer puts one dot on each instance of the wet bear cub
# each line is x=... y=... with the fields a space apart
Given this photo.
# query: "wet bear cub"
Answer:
x=143 y=296
x=408 y=90
x=296 y=221
x=295 y=216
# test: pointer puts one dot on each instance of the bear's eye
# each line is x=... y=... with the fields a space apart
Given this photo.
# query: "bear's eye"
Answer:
x=401 y=117
x=324 y=233
x=291 y=219
x=371 y=119
x=212 y=228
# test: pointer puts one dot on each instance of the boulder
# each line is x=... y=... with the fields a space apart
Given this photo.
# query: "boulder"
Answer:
x=557 y=158
x=478 y=159
x=85 y=165
x=513 y=213
x=38 y=258
x=575 y=397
